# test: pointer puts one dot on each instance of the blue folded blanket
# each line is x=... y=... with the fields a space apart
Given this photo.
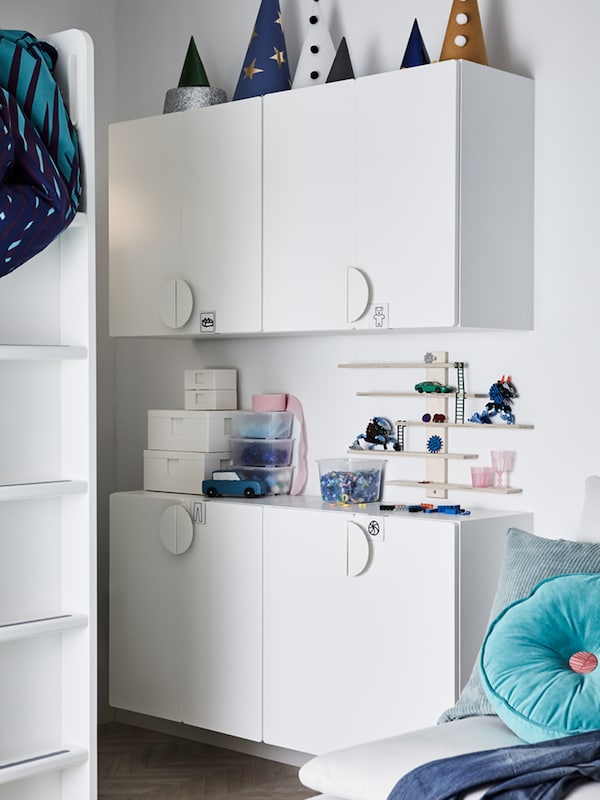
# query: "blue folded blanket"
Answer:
x=545 y=771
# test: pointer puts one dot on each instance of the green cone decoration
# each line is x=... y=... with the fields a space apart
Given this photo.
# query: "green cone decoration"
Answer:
x=193 y=72
x=193 y=90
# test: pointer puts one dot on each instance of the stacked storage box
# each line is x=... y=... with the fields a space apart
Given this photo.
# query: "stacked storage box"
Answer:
x=262 y=448
x=184 y=447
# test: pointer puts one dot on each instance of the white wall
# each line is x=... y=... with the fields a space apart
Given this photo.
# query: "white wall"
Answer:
x=553 y=367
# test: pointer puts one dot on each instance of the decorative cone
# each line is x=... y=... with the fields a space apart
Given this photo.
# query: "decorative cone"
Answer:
x=265 y=68
x=341 y=69
x=193 y=72
x=464 y=34
x=193 y=90
x=318 y=51
x=416 y=53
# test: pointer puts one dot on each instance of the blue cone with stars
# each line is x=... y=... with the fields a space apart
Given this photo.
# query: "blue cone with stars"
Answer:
x=265 y=68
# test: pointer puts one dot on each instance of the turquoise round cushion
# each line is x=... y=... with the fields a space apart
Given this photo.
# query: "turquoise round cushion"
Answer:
x=540 y=660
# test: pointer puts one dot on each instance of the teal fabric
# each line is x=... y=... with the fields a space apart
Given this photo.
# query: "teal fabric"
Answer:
x=525 y=660
x=528 y=560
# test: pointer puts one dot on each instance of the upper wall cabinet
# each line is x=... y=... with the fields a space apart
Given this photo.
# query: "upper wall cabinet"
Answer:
x=185 y=222
x=401 y=200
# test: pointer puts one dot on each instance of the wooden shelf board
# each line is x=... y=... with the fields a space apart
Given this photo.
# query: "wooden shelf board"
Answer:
x=38 y=763
x=43 y=489
x=405 y=365
x=492 y=427
x=34 y=352
x=412 y=454
x=457 y=486
x=32 y=628
x=421 y=395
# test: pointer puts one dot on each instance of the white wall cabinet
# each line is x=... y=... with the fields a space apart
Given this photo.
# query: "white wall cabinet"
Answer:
x=47 y=492
x=400 y=200
x=409 y=202
x=287 y=622
x=186 y=611
x=185 y=222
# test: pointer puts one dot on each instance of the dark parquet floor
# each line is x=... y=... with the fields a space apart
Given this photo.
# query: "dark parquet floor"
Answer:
x=137 y=764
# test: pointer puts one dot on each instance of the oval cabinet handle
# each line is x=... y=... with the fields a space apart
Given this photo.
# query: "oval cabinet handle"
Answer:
x=176 y=530
x=357 y=294
x=358 y=550
x=176 y=303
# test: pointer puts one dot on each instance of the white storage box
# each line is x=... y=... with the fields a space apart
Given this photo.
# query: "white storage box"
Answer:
x=177 y=471
x=204 y=431
x=212 y=379
x=210 y=400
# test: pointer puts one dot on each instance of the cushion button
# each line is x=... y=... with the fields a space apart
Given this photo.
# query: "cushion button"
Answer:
x=583 y=662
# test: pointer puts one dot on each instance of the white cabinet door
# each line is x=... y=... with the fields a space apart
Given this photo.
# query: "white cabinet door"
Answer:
x=444 y=196
x=407 y=173
x=308 y=207
x=222 y=614
x=186 y=610
x=145 y=208
x=359 y=633
x=146 y=632
x=185 y=222
x=222 y=213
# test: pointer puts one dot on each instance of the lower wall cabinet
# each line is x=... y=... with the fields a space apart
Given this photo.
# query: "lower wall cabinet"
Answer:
x=293 y=623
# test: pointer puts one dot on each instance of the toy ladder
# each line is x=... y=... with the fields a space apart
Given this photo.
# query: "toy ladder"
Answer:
x=459 y=400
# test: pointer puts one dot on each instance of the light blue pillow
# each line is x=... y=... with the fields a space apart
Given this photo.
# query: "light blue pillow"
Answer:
x=528 y=559
x=540 y=660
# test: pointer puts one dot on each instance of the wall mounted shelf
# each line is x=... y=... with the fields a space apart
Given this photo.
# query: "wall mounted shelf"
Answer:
x=437 y=366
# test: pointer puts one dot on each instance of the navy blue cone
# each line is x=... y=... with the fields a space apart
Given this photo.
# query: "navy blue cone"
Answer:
x=265 y=68
x=416 y=54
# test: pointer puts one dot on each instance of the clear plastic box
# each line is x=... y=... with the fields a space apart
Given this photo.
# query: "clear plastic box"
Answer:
x=262 y=452
x=277 y=479
x=350 y=480
x=264 y=424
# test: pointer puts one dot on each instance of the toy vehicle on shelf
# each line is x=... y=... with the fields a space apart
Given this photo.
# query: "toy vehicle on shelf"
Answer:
x=432 y=386
x=228 y=482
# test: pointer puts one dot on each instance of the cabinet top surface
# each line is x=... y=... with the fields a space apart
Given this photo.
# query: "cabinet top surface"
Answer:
x=437 y=67
x=314 y=503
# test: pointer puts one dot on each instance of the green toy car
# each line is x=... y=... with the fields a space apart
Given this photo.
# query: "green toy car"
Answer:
x=432 y=386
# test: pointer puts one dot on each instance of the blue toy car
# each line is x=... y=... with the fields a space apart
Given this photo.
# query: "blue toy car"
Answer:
x=228 y=482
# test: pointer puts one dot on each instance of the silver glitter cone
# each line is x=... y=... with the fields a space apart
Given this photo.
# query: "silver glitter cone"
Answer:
x=184 y=98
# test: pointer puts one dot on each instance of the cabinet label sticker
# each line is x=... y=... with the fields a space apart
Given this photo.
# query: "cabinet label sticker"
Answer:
x=208 y=322
x=378 y=314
